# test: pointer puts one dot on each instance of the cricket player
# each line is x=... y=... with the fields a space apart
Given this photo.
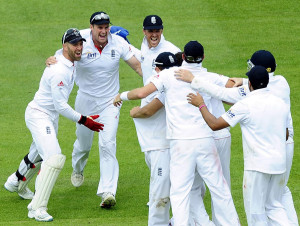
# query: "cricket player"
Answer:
x=263 y=145
x=41 y=117
x=153 y=44
x=150 y=123
x=191 y=142
x=147 y=117
x=97 y=77
x=277 y=86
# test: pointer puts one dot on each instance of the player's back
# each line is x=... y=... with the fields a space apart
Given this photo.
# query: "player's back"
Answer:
x=184 y=120
x=264 y=131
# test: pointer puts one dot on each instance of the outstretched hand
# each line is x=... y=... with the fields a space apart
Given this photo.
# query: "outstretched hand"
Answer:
x=195 y=100
x=89 y=122
x=184 y=75
x=117 y=101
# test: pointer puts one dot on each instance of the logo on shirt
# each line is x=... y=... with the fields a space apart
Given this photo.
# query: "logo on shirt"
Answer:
x=242 y=91
x=159 y=172
x=91 y=55
x=48 y=130
x=113 y=54
x=142 y=58
x=230 y=113
x=60 y=84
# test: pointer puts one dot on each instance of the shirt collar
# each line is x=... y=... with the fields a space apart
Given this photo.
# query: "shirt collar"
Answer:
x=257 y=91
x=192 y=66
x=65 y=61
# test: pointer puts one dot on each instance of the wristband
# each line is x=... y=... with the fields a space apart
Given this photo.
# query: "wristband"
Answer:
x=82 y=119
x=123 y=95
x=203 y=105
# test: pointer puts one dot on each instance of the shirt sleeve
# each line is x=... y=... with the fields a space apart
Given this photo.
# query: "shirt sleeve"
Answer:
x=137 y=53
x=237 y=113
x=127 y=52
x=161 y=97
x=230 y=95
x=157 y=81
x=60 y=94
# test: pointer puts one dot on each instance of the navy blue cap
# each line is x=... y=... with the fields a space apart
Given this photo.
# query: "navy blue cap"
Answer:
x=72 y=35
x=152 y=22
x=99 y=18
x=122 y=32
x=165 y=60
x=193 y=52
x=264 y=58
x=258 y=76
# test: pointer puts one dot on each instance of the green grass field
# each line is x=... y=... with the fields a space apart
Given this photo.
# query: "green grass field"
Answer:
x=230 y=32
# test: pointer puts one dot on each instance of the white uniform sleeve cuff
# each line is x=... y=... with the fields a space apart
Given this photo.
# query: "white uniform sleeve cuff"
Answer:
x=123 y=95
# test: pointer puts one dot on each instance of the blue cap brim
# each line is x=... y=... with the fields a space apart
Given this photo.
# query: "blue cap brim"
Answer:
x=153 y=27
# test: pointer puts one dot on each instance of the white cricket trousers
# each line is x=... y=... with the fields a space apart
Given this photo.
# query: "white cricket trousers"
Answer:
x=262 y=199
x=158 y=162
x=109 y=116
x=198 y=214
x=186 y=155
x=43 y=129
x=287 y=198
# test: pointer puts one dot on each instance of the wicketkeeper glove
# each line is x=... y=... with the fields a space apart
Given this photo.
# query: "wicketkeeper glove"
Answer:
x=89 y=122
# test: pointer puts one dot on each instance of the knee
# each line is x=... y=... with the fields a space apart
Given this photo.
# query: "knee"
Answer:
x=108 y=149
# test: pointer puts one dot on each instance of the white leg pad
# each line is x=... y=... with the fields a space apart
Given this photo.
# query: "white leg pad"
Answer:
x=29 y=175
x=50 y=170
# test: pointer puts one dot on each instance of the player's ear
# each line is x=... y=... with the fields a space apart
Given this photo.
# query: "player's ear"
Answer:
x=250 y=86
x=203 y=57
x=183 y=57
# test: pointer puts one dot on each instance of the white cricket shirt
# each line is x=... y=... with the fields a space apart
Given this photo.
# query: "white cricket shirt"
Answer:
x=98 y=74
x=263 y=118
x=151 y=131
x=184 y=121
x=55 y=87
x=148 y=55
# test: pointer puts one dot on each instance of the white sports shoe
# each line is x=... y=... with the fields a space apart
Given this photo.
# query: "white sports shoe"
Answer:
x=108 y=200
x=40 y=214
x=77 y=179
x=12 y=185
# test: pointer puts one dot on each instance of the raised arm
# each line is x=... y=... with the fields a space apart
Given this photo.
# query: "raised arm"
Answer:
x=135 y=65
x=213 y=122
x=135 y=94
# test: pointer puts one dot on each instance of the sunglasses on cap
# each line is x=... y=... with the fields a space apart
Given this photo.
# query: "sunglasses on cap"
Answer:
x=193 y=59
x=250 y=65
x=71 y=34
x=101 y=16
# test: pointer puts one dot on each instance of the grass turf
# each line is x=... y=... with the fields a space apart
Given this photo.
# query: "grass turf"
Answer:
x=230 y=32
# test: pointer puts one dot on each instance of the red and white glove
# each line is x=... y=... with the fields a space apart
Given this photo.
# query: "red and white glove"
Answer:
x=89 y=122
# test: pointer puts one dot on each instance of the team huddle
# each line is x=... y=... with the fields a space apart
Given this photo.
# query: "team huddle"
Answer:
x=182 y=127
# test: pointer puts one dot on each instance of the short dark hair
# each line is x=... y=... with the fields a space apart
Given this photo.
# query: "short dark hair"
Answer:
x=259 y=77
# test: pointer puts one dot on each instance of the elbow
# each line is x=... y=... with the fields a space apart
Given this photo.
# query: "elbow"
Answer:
x=142 y=95
x=214 y=128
